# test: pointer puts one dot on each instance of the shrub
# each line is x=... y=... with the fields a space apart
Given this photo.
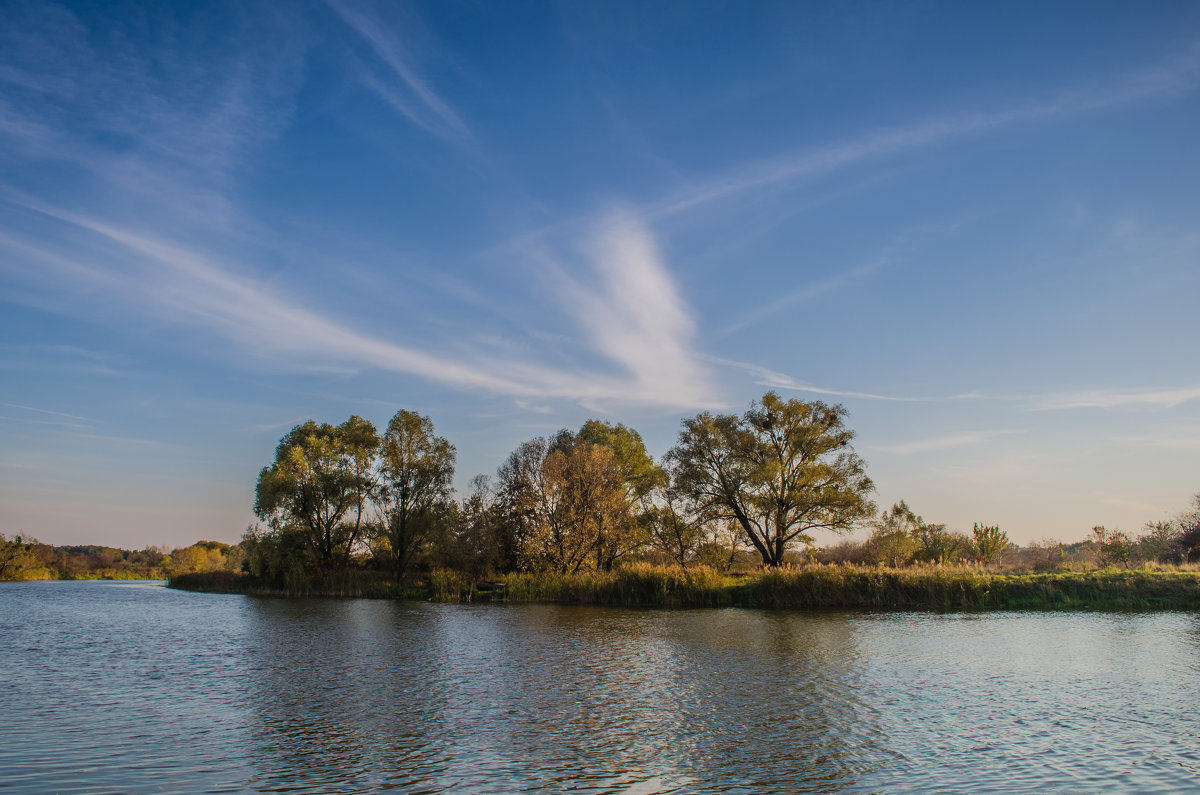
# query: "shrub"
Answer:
x=988 y=541
x=1112 y=547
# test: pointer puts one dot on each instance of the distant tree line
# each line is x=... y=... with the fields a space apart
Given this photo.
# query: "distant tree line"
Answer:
x=25 y=558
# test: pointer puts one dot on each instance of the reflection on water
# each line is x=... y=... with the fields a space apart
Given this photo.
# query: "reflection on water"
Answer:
x=116 y=688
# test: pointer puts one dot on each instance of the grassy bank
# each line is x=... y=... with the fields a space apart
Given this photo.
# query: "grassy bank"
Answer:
x=818 y=587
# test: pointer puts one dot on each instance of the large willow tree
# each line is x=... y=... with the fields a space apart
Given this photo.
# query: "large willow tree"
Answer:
x=319 y=485
x=780 y=470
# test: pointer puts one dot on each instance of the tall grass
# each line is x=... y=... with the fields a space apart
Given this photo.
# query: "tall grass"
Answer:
x=812 y=587
x=969 y=589
x=862 y=587
x=635 y=585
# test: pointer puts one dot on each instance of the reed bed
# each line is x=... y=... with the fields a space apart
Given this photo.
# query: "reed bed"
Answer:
x=631 y=586
x=812 y=587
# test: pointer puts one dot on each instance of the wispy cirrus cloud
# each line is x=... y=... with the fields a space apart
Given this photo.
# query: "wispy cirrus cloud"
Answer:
x=628 y=309
x=943 y=442
x=36 y=421
x=405 y=88
x=1175 y=76
x=166 y=123
x=60 y=414
x=631 y=312
x=1157 y=398
x=777 y=380
x=1184 y=439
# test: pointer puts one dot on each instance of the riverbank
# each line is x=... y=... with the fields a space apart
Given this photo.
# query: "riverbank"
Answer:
x=818 y=587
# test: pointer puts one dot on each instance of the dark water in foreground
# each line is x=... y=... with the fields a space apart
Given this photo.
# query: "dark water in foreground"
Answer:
x=133 y=688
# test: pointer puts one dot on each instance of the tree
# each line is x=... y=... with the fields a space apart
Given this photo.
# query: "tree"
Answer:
x=676 y=525
x=522 y=498
x=629 y=525
x=894 y=536
x=321 y=474
x=1112 y=546
x=781 y=470
x=638 y=471
x=14 y=556
x=417 y=468
x=567 y=504
x=988 y=541
x=1187 y=527
x=930 y=542
x=474 y=543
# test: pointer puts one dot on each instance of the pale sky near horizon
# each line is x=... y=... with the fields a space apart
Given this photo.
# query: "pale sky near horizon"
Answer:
x=975 y=225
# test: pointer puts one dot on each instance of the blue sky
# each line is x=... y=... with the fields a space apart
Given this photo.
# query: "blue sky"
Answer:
x=974 y=225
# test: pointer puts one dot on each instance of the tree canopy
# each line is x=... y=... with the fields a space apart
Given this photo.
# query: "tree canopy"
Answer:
x=321 y=476
x=780 y=470
x=416 y=468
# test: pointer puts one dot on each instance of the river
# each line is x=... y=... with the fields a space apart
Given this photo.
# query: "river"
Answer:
x=112 y=687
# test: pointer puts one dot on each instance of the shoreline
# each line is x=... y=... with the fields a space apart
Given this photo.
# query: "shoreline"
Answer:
x=816 y=588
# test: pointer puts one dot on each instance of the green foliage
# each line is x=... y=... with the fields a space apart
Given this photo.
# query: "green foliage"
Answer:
x=14 y=557
x=474 y=538
x=204 y=556
x=1113 y=548
x=1158 y=543
x=988 y=541
x=893 y=539
x=937 y=544
x=947 y=589
x=571 y=504
x=781 y=470
x=417 y=468
x=278 y=557
x=1187 y=529
x=634 y=585
x=321 y=478
x=638 y=470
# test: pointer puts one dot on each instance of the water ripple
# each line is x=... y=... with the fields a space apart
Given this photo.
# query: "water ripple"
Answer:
x=113 y=688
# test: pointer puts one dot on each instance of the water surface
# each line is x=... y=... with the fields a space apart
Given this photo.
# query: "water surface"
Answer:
x=134 y=688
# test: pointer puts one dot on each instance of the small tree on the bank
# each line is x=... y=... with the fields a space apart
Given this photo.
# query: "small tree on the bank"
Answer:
x=893 y=540
x=1187 y=526
x=782 y=469
x=988 y=541
x=1112 y=547
x=14 y=555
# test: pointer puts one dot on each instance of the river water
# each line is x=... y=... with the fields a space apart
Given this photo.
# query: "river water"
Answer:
x=134 y=688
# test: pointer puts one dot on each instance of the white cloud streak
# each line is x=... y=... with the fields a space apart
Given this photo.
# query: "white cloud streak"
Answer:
x=1187 y=440
x=776 y=380
x=413 y=97
x=630 y=313
x=946 y=442
x=807 y=293
x=1178 y=76
x=1116 y=399
x=47 y=411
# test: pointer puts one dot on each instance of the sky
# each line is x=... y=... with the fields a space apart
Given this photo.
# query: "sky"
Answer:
x=977 y=226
